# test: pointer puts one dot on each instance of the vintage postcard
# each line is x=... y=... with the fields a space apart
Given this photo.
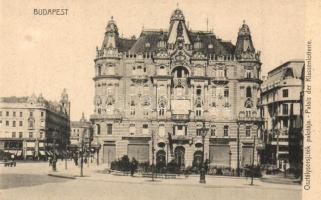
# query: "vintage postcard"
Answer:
x=164 y=99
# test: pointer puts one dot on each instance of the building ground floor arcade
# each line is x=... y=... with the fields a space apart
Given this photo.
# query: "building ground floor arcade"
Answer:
x=221 y=147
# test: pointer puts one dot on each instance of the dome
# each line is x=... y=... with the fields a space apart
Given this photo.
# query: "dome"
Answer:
x=244 y=30
x=111 y=26
x=177 y=15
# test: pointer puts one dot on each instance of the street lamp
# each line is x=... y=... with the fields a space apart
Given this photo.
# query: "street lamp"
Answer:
x=204 y=131
x=54 y=158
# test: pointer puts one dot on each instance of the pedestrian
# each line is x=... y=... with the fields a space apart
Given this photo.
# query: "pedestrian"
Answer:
x=12 y=157
x=50 y=161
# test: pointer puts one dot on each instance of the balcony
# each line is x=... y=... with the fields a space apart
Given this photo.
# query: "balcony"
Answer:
x=253 y=116
x=180 y=117
x=220 y=80
x=141 y=78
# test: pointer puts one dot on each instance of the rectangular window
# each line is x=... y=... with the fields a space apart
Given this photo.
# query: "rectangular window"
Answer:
x=145 y=128
x=7 y=113
x=285 y=93
x=13 y=123
x=132 y=129
x=213 y=131
x=198 y=132
x=248 y=131
x=285 y=109
x=225 y=131
x=31 y=114
x=0 y=113
x=30 y=134
x=161 y=130
x=13 y=134
x=20 y=114
x=41 y=135
x=20 y=134
x=20 y=123
x=285 y=123
x=14 y=114
x=109 y=129
x=226 y=92
x=7 y=123
x=0 y=121
x=41 y=114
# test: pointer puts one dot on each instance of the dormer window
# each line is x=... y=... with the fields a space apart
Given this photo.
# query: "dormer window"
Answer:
x=210 y=46
x=147 y=44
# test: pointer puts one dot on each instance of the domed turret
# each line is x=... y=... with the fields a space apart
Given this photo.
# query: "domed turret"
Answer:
x=111 y=35
x=177 y=29
x=244 y=46
x=177 y=16
x=111 y=26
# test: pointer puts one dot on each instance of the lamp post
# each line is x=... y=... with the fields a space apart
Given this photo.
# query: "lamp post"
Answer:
x=153 y=156
x=54 y=158
x=204 y=131
x=230 y=159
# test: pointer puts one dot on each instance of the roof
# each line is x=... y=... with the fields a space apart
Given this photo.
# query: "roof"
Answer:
x=278 y=73
x=152 y=37
x=125 y=44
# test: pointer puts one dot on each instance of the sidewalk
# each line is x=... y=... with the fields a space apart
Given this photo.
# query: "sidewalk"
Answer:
x=98 y=173
x=73 y=171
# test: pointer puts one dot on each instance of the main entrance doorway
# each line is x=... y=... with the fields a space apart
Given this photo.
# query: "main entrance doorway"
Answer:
x=180 y=156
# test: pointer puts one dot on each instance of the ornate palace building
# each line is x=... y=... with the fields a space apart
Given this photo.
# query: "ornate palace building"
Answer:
x=173 y=82
x=32 y=127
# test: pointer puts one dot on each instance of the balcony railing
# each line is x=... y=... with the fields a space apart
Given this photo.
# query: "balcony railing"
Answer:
x=180 y=117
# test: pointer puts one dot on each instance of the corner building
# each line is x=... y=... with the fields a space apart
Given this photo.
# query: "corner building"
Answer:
x=173 y=81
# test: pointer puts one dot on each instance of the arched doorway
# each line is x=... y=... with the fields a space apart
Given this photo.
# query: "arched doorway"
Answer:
x=197 y=161
x=160 y=160
x=180 y=156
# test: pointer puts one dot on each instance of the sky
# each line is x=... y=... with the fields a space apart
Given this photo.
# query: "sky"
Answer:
x=44 y=54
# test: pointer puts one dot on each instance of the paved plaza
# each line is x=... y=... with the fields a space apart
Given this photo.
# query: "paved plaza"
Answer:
x=31 y=181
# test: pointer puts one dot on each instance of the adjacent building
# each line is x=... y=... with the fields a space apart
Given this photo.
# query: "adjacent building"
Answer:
x=173 y=82
x=281 y=108
x=32 y=127
x=80 y=134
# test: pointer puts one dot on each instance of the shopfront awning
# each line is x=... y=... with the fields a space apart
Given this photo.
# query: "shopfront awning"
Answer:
x=29 y=153
x=19 y=153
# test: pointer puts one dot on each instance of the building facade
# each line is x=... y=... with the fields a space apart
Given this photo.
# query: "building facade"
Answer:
x=81 y=132
x=282 y=111
x=173 y=82
x=32 y=127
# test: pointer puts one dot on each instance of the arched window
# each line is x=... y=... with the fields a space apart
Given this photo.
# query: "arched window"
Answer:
x=248 y=92
x=180 y=72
